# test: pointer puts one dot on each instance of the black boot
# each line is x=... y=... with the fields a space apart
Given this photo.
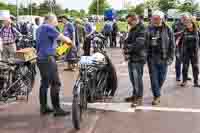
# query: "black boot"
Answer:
x=44 y=108
x=56 y=104
x=61 y=112
x=196 y=84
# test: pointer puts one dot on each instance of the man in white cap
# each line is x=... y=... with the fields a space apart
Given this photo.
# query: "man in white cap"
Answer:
x=8 y=34
x=160 y=52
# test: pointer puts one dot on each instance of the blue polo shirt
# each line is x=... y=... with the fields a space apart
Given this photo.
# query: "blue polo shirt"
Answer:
x=46 y=41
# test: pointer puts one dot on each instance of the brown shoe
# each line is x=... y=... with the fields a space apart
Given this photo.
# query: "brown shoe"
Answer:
x=156 y=101
x=129 y=99
x=184 y=84
x=139 y=101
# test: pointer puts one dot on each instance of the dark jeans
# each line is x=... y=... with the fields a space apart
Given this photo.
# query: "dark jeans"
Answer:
x=109 y=37
x=178 y=64
x=49 y=78
x=86 y=46
x=136 y=78
x=195 y=68
x=114 y=39
x=157 y=72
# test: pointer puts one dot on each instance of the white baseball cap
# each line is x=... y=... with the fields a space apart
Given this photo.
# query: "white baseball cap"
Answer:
x=158 y=13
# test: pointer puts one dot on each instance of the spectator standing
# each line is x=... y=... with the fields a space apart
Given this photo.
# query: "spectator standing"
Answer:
x=34 y=28
x=114 y=33
x=9 y=35
x=107 y=30
x=69 y=31
x=87 y=40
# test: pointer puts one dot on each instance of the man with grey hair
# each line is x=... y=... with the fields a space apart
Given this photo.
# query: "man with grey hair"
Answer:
x=46 y=43
x=134 y=50
x=9 y=34
x=160 y=45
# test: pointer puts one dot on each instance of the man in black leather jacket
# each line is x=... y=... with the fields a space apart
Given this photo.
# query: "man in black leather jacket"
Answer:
x=134 y=50
x=160 y=44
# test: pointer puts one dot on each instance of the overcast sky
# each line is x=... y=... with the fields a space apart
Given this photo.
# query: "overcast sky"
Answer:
x=83 y=4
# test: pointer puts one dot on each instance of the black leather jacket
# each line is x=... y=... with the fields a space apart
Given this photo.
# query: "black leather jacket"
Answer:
x=134 y=47
x=164 y=52
x=190 y=44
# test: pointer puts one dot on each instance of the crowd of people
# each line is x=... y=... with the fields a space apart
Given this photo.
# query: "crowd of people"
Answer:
x=155 y=44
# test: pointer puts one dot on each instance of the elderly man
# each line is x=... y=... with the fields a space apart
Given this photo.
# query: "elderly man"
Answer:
x=47 y=36
x=8 y=34
x=134 y=49
x=160 y=45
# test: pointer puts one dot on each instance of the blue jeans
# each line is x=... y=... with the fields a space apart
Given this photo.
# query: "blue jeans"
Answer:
x=157 y=72
x=136 y=78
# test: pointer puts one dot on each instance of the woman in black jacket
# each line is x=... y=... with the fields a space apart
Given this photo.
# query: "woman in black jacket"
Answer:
x=190 y=51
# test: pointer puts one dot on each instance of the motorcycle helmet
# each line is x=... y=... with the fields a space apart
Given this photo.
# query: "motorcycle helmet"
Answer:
x=99 y=58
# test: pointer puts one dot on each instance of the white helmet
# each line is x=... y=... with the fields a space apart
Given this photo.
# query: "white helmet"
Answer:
x=98 y=57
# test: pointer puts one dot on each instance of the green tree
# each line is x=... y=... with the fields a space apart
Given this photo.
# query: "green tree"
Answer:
x=103 y=5
x=188 y=6
x=45 y=7
x=131 y=8
x=139 y=9
x=66 y=10
x=82 y=13
x=165 y=5
x=121 y=13
x=35 y=9
x=58 y=10
x=152 y=4
x=10 y=7
x=74 y=13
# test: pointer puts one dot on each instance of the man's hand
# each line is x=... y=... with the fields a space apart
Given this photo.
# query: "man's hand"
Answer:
x=65 y=39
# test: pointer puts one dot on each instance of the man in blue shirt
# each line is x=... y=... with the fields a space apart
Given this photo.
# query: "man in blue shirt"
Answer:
x=46 y=43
